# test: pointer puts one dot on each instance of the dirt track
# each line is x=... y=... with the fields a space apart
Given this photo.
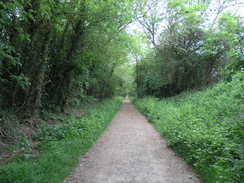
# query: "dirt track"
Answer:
x=131 y=151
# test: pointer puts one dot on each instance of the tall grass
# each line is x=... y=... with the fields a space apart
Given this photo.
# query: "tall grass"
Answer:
x=61 y=147
x=206 y=128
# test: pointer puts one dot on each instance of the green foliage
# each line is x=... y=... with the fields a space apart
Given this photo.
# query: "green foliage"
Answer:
x=126 y=73
x=190 y=53
x=61 y=147
x=53 y=53
x=205 y=128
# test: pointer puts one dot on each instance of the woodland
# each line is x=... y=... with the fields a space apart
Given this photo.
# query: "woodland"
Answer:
x=66 y=64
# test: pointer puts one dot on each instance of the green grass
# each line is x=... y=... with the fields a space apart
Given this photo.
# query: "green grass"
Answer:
x=61 y=147
x=206 y=128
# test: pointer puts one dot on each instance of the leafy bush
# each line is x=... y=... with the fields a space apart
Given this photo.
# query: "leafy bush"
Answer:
x=205 y=127
x=61 y=147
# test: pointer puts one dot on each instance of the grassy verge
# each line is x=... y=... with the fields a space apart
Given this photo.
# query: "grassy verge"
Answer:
x=206 y=128
x=61 y=147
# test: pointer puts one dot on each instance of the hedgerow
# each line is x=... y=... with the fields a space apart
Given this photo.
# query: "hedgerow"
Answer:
x=61 y=147
x=206 y=128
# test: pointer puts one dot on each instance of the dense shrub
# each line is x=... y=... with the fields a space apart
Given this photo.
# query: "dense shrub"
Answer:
x=61 y=147
x=53 y=53
x=205 y=127
x=190 y=52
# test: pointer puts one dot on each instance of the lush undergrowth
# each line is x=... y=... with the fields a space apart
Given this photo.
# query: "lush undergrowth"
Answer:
x=61 y=147
x=206 y=128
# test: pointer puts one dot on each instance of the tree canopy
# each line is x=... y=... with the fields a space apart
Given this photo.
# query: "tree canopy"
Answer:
x=54 y=53
x=190 y=50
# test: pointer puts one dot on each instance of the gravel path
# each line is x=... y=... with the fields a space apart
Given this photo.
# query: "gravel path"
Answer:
x=131 y=151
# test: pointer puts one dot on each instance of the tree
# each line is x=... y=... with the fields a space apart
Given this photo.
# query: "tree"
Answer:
x=55 y=51
x=189 y=54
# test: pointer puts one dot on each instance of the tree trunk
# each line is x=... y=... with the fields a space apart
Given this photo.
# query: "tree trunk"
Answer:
x=34 y=102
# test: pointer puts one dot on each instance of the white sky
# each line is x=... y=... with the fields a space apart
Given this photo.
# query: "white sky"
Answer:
x=136 y=28
x=237 y=10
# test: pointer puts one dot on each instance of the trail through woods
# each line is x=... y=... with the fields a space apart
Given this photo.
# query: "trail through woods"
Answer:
x=131 y=151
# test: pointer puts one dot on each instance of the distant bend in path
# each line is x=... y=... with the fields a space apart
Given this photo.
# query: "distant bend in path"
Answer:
x=131 y=151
